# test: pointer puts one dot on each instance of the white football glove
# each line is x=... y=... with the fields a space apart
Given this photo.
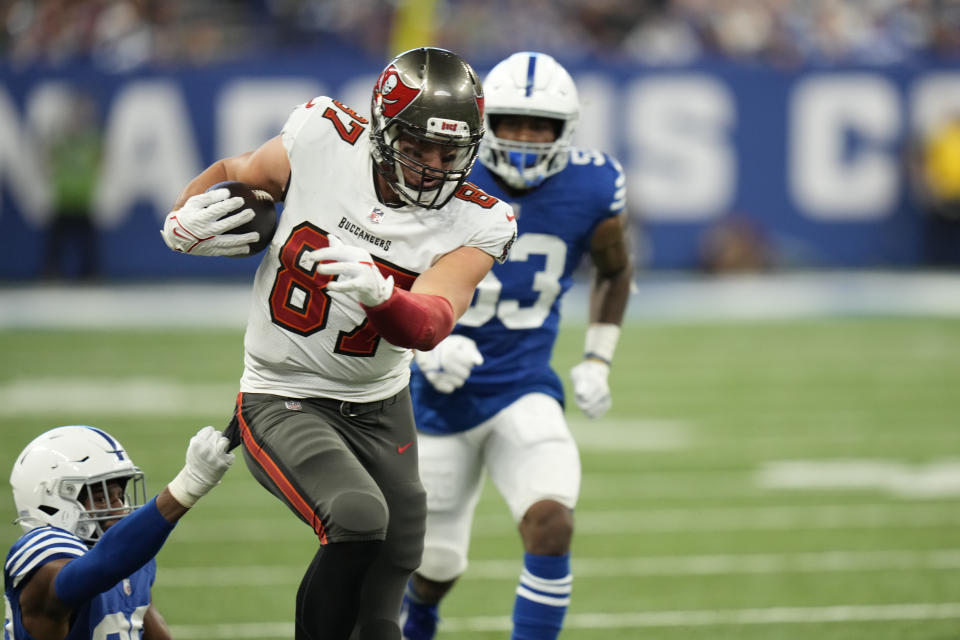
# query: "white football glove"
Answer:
x=590 y=388
x=447 y=366
x=357 y=275
x=196 y=227
x=207 y=461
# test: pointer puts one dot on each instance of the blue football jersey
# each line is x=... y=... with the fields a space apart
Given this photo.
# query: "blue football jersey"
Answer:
x=115 y=613
x=515 y=313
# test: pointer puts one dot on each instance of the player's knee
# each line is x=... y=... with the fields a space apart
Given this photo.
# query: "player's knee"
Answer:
x=407 y=527
x=547 y=528
x=359 y=512
x=441 y=564
x=430 y=591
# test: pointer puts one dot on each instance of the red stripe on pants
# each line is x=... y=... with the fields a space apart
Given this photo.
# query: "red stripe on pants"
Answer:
x=285 y=486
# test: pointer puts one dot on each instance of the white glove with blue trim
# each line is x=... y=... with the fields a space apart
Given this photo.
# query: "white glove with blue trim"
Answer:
x=448 y=365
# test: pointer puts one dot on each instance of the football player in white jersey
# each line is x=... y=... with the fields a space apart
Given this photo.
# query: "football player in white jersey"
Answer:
x=84 y=567
x=486 y=399
x=378 y=251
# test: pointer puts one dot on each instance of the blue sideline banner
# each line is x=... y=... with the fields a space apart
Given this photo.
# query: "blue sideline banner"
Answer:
x=815 y=157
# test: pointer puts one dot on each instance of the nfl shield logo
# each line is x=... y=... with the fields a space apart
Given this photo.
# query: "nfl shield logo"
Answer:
x=127 y=589
x=293 y=405
x=375 y=216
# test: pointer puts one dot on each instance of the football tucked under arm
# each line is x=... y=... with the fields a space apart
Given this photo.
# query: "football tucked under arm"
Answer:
x=229 y=219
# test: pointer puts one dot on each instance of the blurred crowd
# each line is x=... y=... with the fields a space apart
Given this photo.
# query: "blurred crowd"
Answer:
x=123 y=34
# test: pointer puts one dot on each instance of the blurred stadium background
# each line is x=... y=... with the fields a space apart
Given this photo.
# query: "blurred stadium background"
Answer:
x=783 y=454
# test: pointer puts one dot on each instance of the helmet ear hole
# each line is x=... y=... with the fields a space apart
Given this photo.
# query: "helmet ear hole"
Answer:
x=47 y=509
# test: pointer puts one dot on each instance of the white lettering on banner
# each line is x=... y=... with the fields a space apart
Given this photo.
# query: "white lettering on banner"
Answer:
x=683 y=164
x=21 y=171
x=935 y=97
x=598 y=120
x=251 y=111
x=827 y=180
x=150 y=151
x=673 y=130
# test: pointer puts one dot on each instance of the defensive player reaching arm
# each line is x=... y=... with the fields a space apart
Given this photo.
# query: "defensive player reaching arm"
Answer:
x=380 y=246
x=85 y=565
x=486 y=397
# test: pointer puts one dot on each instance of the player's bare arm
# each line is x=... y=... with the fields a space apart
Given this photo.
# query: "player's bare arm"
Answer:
x=455 y=276
x=267 y=167
x=168 y=506
x=610 y=252
x=43 y=614
x=154 y=626
x=47 y=618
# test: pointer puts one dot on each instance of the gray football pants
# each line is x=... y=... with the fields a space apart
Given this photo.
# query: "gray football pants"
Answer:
x=348 y=470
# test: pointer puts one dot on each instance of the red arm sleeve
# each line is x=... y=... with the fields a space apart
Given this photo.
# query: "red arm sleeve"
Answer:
x=412 y=320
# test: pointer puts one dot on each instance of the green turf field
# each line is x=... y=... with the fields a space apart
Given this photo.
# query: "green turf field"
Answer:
x=786 y=480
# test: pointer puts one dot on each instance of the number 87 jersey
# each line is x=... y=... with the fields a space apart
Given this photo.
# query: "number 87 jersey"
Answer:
x=303 y=341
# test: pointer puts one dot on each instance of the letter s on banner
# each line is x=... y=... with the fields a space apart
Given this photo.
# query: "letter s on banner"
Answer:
x=684 y=164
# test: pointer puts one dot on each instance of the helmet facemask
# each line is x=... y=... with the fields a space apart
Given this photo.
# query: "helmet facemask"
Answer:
x=90 y=524
x=410 y=158
x=523 y=164
x=533 y=85
x=68 y=496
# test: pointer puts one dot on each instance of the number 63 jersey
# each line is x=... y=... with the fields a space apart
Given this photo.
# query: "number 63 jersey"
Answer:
x=303 y=341
x=515 y=314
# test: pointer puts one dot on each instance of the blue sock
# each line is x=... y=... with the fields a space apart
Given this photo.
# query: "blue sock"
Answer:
x=418 y=620
x=542 y=597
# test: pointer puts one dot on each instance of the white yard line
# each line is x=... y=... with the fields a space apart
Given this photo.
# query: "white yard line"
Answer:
x=112 y=396
x=631 y=620
x=256 y=577
x=928 y=480
x=146 y=395
x=819 y=517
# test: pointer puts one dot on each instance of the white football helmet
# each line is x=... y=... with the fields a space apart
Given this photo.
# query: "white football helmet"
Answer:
x=62 y=466
x=529 y=84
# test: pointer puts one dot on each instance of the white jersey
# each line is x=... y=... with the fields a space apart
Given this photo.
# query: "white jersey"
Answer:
x=303 y=341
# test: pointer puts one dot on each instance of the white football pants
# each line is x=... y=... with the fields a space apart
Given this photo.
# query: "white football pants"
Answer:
x=530 y=455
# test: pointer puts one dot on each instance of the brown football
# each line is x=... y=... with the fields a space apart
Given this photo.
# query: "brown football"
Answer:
x=264 y=213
